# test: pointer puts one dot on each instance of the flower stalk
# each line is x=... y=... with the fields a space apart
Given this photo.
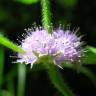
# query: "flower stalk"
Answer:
x=46 y=15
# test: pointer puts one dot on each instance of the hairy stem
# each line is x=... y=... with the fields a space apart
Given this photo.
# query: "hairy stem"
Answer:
x=46 y=15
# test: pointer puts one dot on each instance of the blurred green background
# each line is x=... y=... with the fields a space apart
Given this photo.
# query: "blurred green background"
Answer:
x=16 y=15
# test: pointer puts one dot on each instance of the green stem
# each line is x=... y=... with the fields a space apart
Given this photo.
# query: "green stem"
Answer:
x=46 y=15
x=21 y=79
x=58 y=81
x=56 y=77
x=1 y=65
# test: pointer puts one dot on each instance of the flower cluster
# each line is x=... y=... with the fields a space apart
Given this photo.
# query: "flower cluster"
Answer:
x=63 y=46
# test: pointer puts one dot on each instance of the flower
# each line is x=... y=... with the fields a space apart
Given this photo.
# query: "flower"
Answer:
x=62 y=46
x=68 y=46
x=36 y=44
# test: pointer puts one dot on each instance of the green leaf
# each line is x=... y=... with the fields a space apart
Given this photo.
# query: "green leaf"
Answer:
x=90 y=56
x=7 y=43
x=92 y=49
x=28 y=2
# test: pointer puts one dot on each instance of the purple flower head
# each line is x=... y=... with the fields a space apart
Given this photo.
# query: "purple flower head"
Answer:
x=36 y=44
x=61 y=45
x=68 y=46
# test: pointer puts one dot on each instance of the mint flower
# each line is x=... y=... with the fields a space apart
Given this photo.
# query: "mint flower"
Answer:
x=68 y=46
x=62 y=46
x=36 y=44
